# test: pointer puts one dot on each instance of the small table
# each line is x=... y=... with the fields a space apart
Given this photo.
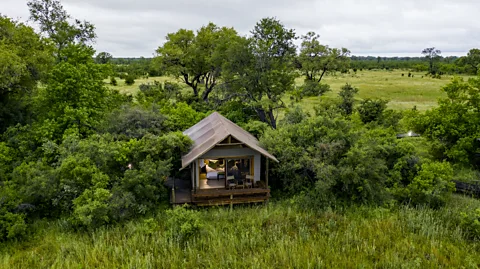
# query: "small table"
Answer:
x=220 y=175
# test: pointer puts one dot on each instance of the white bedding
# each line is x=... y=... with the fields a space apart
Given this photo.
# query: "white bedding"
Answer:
x=212 y=175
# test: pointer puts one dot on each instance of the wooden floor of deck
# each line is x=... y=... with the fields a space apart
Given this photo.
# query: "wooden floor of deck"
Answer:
x=210 y=197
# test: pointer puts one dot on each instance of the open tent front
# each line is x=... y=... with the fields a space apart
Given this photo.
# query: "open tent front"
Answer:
x=225 y=164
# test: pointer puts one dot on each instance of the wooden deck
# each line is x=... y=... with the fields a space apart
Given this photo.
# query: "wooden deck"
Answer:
x=226 y=197
x=213 y=197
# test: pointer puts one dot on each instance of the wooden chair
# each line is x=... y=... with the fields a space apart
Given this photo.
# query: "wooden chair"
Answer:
x=249 y=181
x=231 y=182
x=241 y=183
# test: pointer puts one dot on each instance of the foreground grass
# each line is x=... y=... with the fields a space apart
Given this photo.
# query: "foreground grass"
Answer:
x=273 y=236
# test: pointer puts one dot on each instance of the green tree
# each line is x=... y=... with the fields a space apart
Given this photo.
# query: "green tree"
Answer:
x=471 y=61
x=197 y=59
x=25 y=59
x=54 y=22
x=454 y=124
x=347 y=94
x=432 y=55
x=103 y=58
x=318 y=60
x=372 y=109
x=259 y=70
x=75 y=97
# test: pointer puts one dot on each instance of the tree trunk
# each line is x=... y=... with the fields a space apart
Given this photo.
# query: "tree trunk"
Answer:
x=209 y=84
x=207 y=91
x=273 y=121
x=323 y=73
x=261 y=115
x=193 y=84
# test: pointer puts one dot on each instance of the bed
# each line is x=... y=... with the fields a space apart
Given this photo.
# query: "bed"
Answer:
x=213 y=173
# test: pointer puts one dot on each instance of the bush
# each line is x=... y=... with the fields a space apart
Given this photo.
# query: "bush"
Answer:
x=312 y=88
x=183 y=224
x=432 y=185
x=372 y=109
x=470 y=223
x=91 y=209
x=113 y=81
x=130 y=80
x=11 y=225
x=347 y=93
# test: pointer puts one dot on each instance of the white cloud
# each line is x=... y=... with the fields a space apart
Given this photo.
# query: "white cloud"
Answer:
x=375 y=27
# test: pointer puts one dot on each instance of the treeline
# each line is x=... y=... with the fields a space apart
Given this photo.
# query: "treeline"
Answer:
x=72 y=148
x=450 y=65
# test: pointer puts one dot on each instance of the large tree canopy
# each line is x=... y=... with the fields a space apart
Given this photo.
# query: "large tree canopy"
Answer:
x=260 y=69
x=318 y=60
x=55 y=23
x=197 y=59
x=24 y=60
x=471 y=61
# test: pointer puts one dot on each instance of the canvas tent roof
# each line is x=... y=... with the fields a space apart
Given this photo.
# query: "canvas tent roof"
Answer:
x=214 y=129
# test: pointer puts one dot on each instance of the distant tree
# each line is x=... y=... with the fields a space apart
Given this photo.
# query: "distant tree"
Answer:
x=317 y=59
x=55 y=23
x=259 y=70
x=347 y=93
x=432 y=55
x=130 y=80
x=471 y=61
x=103 y=58
x=196 y=59
x=372 y=109
x=113 y=81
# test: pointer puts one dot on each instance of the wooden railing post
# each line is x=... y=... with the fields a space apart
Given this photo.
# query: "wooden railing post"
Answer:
x=266 y=174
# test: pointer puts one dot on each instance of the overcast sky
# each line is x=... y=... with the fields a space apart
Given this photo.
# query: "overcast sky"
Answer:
x=132 y=28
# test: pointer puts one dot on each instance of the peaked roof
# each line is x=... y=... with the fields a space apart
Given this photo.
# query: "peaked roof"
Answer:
x=214 y=129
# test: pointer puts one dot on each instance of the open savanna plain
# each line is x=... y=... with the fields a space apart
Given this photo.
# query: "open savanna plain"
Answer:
x=403 y=92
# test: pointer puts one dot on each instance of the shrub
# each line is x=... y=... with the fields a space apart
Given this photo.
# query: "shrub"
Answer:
x=347 y=93
x=91 y=209
x=470 y=223
x=403 y=74
x=182 y=223
x=113 y=81
x=312 y=88
x=11 y=225
x=130 y=80
x=432 y=185
x=409 y=74
x=372 y=109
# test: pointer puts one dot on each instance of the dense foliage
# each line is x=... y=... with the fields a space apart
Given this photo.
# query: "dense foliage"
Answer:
x=73 y=150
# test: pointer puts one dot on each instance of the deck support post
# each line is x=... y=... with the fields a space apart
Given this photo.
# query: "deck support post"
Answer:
x=266 y=174
x=173 y=194
x=231 y=201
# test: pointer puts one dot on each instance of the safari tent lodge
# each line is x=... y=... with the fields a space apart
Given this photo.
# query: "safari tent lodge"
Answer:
x=225 y=164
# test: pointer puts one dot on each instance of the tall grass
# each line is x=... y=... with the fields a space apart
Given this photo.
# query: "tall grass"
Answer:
x=277 y=235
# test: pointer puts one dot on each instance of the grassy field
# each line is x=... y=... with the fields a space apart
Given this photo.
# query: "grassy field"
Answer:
x=403 y=92
x=274 y=236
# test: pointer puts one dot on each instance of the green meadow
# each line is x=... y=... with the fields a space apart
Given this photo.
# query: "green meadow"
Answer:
x=277 y=235
x=403 y=92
